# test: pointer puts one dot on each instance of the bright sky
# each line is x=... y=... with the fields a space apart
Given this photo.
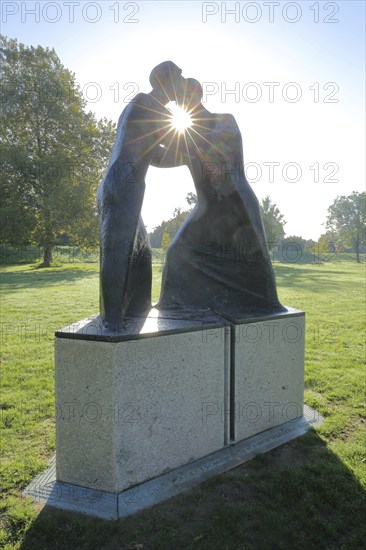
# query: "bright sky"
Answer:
x=295 y=70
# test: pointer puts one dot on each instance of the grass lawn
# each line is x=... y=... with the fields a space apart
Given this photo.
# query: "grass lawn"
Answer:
x=306 y=494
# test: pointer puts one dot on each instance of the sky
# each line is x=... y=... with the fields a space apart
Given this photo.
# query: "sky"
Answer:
x=292 y=74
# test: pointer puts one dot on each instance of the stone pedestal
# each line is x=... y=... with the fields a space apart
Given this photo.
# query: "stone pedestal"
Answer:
x=267 y=372
x=133 y=406
x=148 y=412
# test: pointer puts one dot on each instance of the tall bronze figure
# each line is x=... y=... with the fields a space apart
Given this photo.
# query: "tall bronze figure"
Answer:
x=125 y=264
x=219 y=258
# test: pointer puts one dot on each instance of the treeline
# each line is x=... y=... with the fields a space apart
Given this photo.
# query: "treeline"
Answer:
x=54 y=154
x=168 y=229
x=345 y=223
x=272 y=218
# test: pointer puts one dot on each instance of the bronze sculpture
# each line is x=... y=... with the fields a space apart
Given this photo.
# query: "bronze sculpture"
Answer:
x=125 y=264
x=219 y=259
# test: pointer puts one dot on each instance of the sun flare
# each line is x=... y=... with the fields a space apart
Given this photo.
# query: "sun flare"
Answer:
x=180 y=119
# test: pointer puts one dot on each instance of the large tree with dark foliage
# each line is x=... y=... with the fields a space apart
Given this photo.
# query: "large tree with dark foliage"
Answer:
x=53 y=152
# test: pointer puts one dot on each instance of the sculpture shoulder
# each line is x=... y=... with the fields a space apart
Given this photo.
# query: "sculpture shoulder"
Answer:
x=141 y=99
x=227 y=123
x=136 y=106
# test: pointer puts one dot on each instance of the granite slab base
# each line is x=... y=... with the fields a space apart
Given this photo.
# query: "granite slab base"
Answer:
x=267 y=371
x=47 y=490
x=134 y=404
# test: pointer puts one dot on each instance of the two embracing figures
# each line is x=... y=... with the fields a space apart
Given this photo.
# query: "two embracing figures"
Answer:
x=218 y=260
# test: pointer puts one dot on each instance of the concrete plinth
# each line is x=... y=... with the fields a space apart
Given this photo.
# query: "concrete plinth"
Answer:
x=132 y=407
x=267 y=372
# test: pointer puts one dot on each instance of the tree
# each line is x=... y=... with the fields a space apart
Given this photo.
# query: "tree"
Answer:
x=165 y=241
x=273 y=222
x=296 y=240
x=53 y=152
x=347 y=219
x=169 y=227
x=309 y=244
x=325 y=248
x=326 y=243
x=292 y=247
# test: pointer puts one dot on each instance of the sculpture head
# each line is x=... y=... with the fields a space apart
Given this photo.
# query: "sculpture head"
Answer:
x=193 y=93
x=166 y=79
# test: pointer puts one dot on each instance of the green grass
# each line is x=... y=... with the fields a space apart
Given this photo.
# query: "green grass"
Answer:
x=306 y=494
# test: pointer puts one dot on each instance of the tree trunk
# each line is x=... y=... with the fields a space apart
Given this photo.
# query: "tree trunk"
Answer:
x=357 y=247
x=47 y=256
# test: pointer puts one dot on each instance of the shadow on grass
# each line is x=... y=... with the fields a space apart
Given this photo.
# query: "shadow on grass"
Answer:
x=297 y=496
x=287 y=275
x=12 y=281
